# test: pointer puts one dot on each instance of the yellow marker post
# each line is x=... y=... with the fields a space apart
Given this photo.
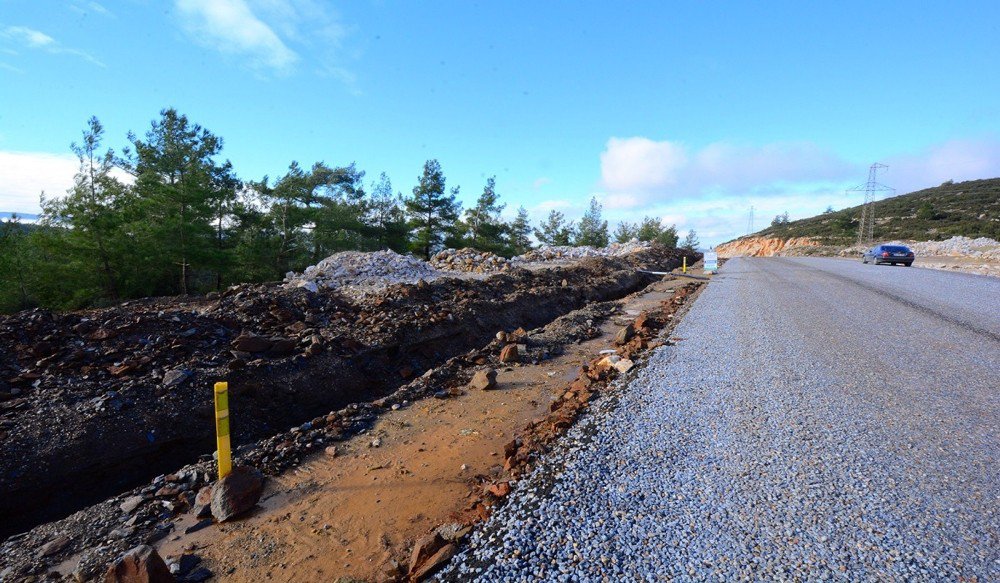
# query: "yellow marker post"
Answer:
x=684 y=268
x=222 y=428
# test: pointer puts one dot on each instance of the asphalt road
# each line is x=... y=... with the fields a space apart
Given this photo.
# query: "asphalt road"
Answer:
x=820 y=420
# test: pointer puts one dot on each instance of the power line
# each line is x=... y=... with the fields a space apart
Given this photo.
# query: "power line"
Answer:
x=750 y=221
x=872 y=189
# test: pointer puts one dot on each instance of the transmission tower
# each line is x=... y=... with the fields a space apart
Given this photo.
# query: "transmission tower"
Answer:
x=750 y=221
x=872 y=189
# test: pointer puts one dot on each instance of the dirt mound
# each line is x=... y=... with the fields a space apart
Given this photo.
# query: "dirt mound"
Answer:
x=761 y=246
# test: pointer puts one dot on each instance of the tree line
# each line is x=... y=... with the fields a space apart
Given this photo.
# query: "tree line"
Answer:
x=181 y=221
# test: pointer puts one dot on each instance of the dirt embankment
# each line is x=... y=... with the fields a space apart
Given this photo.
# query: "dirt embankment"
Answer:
x=93 y=403
x=399 y=466
x=761 y=246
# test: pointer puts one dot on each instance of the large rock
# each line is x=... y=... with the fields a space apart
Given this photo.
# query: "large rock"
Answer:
x=140 y=565
x=252 y=343
x=236 y=493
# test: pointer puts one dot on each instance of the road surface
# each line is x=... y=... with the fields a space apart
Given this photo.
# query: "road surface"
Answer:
x=820 y=420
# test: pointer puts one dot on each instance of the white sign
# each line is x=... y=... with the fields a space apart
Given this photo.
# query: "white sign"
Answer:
x=711 y=262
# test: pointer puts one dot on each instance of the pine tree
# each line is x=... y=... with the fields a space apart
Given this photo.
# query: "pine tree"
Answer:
x=432 y=214
x=592 y=230
x=386 y=217
x=175 y=169
x=484 y=229
x=519 y=234
x=691 y=242
x=555 y=231
x=91 y=219
x=625 y=232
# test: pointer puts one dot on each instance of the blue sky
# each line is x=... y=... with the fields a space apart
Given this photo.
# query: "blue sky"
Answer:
x=688 y=111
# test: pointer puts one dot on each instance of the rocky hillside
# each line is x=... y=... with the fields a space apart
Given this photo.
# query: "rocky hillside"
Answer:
x=761 y=246
x=970 y=209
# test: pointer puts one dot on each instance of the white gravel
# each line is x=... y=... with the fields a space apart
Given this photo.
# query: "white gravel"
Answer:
x=820 y=420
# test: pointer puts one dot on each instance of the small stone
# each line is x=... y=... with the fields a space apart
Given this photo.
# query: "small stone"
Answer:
x=175 y=377
x=509 y=353
x=54 y=546
x=139 y=565
x=377 y=442
x=484 y=380
x=130 y=504
x=236 y=493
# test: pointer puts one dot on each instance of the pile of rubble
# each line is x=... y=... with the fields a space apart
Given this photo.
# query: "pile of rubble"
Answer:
x=563 y=253
x=469 y=260
x=362 y=271
x=982 y=247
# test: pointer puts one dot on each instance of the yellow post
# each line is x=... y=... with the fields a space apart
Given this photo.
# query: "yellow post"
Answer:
x=222 y=428
x=684 y=269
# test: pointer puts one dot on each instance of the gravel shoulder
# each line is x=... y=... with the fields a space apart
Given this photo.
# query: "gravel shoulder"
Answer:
x=820 y=419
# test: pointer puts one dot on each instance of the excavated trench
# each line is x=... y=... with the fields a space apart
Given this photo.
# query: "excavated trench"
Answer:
x=88 y=465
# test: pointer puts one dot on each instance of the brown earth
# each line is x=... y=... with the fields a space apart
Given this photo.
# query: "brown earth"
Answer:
x=95 y=402
x=145 y=514
x=346 y=514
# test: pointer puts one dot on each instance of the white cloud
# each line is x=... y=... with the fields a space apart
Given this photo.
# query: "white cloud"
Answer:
x=274 y=36
x=641 y=165
x=36 y=40
x=711 y=189
x=231 y=27
x=540 y=182
x=27 y=174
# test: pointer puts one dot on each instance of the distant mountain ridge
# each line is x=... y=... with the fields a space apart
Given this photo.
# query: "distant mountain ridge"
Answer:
x=970 y=208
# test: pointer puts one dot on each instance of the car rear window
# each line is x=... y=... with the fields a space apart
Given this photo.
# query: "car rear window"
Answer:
x=895 y=249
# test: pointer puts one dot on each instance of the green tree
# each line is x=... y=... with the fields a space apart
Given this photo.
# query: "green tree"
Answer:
x=779 y=220
x=91 y=218
x=555 y=231
x=386 y=217
x=592 y=230
x=626 y=231
x=432 y=214
x=691 y=241
x=15 y=266
x=175 y=172
x=519 y=233
x=668 y=236
x=484 y=229
x=341 y=208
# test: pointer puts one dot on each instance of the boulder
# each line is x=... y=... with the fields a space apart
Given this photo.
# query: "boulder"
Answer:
x=484 y=380
x=139 y=565
x=236 y=493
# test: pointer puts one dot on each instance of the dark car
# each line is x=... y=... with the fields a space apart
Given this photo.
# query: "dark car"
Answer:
x=889 y=254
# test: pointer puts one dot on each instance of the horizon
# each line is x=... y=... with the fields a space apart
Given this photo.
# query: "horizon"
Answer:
x=691 y=113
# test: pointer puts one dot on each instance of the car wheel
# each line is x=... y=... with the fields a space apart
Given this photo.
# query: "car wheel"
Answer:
x=864 y=260
x=908 y=264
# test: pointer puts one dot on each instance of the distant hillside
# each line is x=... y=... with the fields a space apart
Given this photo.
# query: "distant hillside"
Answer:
x=968 y=208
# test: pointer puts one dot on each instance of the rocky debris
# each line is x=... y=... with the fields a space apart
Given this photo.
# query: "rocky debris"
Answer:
x=139 y=565
x=469 y=260
x=175 y=377
x=484 y=380
x=565 y=253
x=361 y=271
x=237 y=493
x=958 y=246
